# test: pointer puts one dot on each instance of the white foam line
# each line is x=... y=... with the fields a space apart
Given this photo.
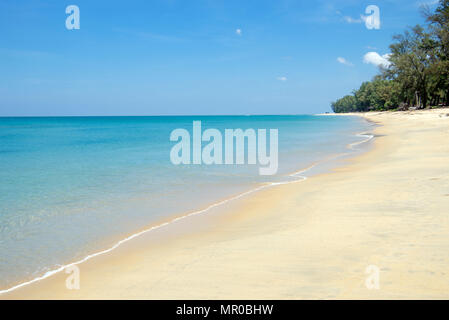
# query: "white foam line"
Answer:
x=297 y=174
x=61 y=268
x=367 y=136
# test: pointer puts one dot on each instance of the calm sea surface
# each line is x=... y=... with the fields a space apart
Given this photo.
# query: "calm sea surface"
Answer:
x=72 y=186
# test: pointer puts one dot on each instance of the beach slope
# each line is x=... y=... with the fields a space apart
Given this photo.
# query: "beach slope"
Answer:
x=386 y=209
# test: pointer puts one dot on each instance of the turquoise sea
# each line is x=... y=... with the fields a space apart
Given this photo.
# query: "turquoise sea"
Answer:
x=73 y=186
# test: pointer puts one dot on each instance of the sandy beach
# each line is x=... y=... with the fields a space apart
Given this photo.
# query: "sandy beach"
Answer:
x=388 y=208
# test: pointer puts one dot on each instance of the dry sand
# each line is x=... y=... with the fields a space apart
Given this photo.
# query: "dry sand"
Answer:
x=388 y=207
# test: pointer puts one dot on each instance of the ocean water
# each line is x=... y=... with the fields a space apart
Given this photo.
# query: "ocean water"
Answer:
x=73 y=186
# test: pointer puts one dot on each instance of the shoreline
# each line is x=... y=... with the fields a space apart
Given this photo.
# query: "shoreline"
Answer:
x=172 y=219
x=233 y=214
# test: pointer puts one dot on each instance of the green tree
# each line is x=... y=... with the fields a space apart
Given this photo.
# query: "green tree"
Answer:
x=439 y=29
x=410 y=64
x=418 y=73
x=346 y=104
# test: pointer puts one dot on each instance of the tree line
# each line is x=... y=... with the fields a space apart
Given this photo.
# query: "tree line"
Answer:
x=417 y=74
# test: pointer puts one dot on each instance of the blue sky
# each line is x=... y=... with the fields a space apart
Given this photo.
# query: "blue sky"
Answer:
x=171 y=57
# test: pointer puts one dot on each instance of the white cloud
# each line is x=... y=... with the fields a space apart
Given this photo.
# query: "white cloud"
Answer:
x=428 y=3
x=344 y=61
x=364 y=18
x=376 y=59
x=282 y=78
x=349 y=19
x=238 y=32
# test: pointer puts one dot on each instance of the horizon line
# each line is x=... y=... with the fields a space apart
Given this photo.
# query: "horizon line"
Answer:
x=162 y=115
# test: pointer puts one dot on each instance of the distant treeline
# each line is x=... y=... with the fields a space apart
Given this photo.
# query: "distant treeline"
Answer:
x=417 y=74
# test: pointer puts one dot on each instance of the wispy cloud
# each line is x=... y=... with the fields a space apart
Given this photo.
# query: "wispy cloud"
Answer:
x=238 y=32
x=344 y=61
x=377 y=59
x=364 y=18
x=428 y=3
x=282 y=78
x=349 y=19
